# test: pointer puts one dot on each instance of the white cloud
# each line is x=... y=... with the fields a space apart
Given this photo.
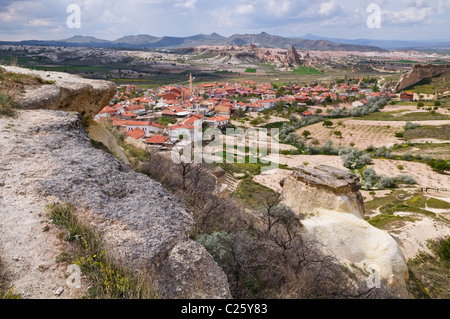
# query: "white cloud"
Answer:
x=39 y=23
x=111 y=19
x=409 y=15
x=443 y=5
x=278 y=8
x=330 y=8
x=245 y=9
x=189 y=4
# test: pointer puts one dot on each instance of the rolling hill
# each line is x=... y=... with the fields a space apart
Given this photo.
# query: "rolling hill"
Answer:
x=144 y=41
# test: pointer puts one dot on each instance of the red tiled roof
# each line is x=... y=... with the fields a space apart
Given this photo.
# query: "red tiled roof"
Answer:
x=117 y=122
x=157 y=125
x=137 y=123
x=137 y=133
x=157 y=139
x=108 y=109
x=130 y=114
x=134 y=108
x=180 y=125
x=217 y=119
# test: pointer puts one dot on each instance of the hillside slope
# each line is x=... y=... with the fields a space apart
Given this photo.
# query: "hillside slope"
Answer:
x=48 y=157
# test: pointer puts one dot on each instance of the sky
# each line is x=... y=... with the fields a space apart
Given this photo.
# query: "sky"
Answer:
x=111 y=19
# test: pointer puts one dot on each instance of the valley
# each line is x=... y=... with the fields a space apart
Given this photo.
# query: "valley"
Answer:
x=334 y=108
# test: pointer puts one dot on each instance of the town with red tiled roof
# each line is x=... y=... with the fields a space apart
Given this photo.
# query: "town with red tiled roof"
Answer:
x=172 y=111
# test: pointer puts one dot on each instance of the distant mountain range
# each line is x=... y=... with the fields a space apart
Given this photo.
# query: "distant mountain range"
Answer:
x=307 y=42
x=432 y=45
x=144 y=41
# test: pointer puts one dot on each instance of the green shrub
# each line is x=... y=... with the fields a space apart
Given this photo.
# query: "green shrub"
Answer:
x=407 y=157
x=411 y=126
x=7 y=105
x=386 y=182
x=439 y=166
x=444 y=250
x=110 y=281
x=354 y=158
x=370 y=177
x=327 y=123
x=405 y=179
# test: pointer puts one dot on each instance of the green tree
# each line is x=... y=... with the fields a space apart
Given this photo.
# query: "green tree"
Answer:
x=306 y=134
x=327 y=123
x=338 y=134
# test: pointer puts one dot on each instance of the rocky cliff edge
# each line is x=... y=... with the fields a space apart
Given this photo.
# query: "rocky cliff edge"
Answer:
x=67 y=92
x=46 y=156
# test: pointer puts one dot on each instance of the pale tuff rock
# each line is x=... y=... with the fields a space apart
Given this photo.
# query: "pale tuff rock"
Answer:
x=49 y=156
x=324 y=187
x=188 y=282
x=292 y=56
x=68 y=93
x=420 y=72
x=330 y=200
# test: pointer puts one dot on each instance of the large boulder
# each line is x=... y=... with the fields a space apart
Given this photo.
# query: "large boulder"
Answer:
x=68 y=92
x=324 y=187
x=333 y=210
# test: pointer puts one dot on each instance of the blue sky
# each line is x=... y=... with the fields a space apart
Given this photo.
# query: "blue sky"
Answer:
x=111 y=19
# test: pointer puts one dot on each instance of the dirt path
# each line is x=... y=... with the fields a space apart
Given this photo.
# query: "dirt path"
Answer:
x=414 y=236
x=28 y=251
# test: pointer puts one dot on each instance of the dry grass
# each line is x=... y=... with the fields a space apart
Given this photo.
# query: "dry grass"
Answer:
x=109 y=279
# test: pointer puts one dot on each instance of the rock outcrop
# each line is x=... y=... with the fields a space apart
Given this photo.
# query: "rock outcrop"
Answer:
x=324 y=187
x=68 y=93
x=333 y=207
x=49 y=156
x=292 y=56
x=420 y=72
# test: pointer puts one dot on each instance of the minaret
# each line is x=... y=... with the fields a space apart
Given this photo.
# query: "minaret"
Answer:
x=190 y=83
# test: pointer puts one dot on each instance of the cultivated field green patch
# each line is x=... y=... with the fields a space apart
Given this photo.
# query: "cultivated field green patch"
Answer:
x=438 y=132
x=306 y=70
x=405 y=116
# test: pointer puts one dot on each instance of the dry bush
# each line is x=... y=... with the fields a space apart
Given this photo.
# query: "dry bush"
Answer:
x=261 y=251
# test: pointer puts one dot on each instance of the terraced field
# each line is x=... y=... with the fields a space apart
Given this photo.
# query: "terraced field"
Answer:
x=361 y=133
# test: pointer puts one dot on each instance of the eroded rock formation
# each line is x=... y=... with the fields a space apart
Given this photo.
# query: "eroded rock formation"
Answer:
x=292 y=56
x=420 y=72
x=326 y=188
x=333 y=207
x=68 y=93
x=281 y=58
